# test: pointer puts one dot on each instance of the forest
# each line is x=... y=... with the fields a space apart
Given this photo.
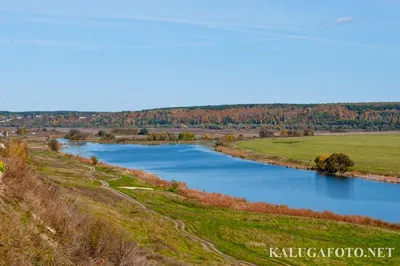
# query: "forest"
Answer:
x=347 y=116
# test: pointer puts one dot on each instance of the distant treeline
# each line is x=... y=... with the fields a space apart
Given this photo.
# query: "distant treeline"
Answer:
x=334 y=117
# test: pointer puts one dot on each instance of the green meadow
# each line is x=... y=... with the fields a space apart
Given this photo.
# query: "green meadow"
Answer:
x=372 y=154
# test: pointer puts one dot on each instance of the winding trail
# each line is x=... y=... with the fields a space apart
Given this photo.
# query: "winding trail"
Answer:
x=178 y=224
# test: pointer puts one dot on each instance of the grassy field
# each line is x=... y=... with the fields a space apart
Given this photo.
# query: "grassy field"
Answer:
x=373 y=154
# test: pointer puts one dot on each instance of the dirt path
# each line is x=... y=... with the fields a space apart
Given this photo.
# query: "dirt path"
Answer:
x=178 y=224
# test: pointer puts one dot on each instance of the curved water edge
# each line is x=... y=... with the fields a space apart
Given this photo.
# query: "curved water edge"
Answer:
x=204 y=169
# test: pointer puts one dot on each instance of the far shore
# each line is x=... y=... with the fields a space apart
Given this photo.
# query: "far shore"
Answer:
x=258 y=157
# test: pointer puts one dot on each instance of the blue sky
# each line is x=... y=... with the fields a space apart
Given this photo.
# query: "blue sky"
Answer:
x=130 y=55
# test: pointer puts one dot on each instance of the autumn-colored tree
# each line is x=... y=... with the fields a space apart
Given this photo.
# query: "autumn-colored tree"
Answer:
x=320 y=162
x=283 y=133
x=240 y=137
x=229 y=138
x=186 y=136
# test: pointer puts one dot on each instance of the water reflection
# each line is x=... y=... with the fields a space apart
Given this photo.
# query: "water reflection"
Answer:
x=336 y=187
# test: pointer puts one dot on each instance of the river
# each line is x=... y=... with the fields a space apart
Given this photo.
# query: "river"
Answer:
x=204 y=169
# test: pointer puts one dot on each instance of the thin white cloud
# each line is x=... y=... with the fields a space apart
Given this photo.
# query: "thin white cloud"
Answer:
x=258 y=30
x=344 y=20
x=93 y=46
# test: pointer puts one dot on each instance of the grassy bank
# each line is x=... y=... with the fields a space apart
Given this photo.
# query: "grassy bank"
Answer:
x=373 y=154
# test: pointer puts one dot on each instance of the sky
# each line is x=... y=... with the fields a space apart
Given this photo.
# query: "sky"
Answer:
x=98 y=55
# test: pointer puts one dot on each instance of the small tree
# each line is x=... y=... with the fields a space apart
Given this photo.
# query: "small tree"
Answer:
x=75 y=134
x=2 y=167
x=54 y=145
x=308 y=133
x=144 y=131
x=283 y=133
x=229 y=137
x=338 y=162
x=265 y=133
x=101 y=133
x=21 y=131
x=94 y=160
x=320 y=162
x=240 y=137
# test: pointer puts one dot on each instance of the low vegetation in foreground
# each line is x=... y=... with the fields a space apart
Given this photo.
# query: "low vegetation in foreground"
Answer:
x=372 y=154
x=60 y=212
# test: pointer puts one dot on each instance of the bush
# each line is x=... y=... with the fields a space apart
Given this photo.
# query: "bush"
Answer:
x=21 y=131
x=308 y=133
x=186 y=136
x=75 y=134
x=101 y=133
x=229 y=138
x=283 y=133
x=144 y=131
x=125 y=131
x=2 y=167
x=16 y=149
x=94 y=159
x=336 y=162
x=54 y=145
x=174 y=186
x=108 y=137
x=265 y=133
x=320 y=162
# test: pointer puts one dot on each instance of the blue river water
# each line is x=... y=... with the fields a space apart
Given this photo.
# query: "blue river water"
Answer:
x=204 y=169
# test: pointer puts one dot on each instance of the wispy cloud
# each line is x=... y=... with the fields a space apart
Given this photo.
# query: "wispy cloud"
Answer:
x=33 y=43
x=344 y=20
x=268 y=32
x=339 y=21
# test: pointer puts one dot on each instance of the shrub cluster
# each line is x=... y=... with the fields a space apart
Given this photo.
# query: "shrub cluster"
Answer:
x=54 y=145
x=161 y=136
x=108 y=137
x=186 y=136
x=75 y=134
x=336 y=162
x=2 y=167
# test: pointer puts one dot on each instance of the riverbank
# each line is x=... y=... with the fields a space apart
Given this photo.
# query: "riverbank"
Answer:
x=235 y=151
